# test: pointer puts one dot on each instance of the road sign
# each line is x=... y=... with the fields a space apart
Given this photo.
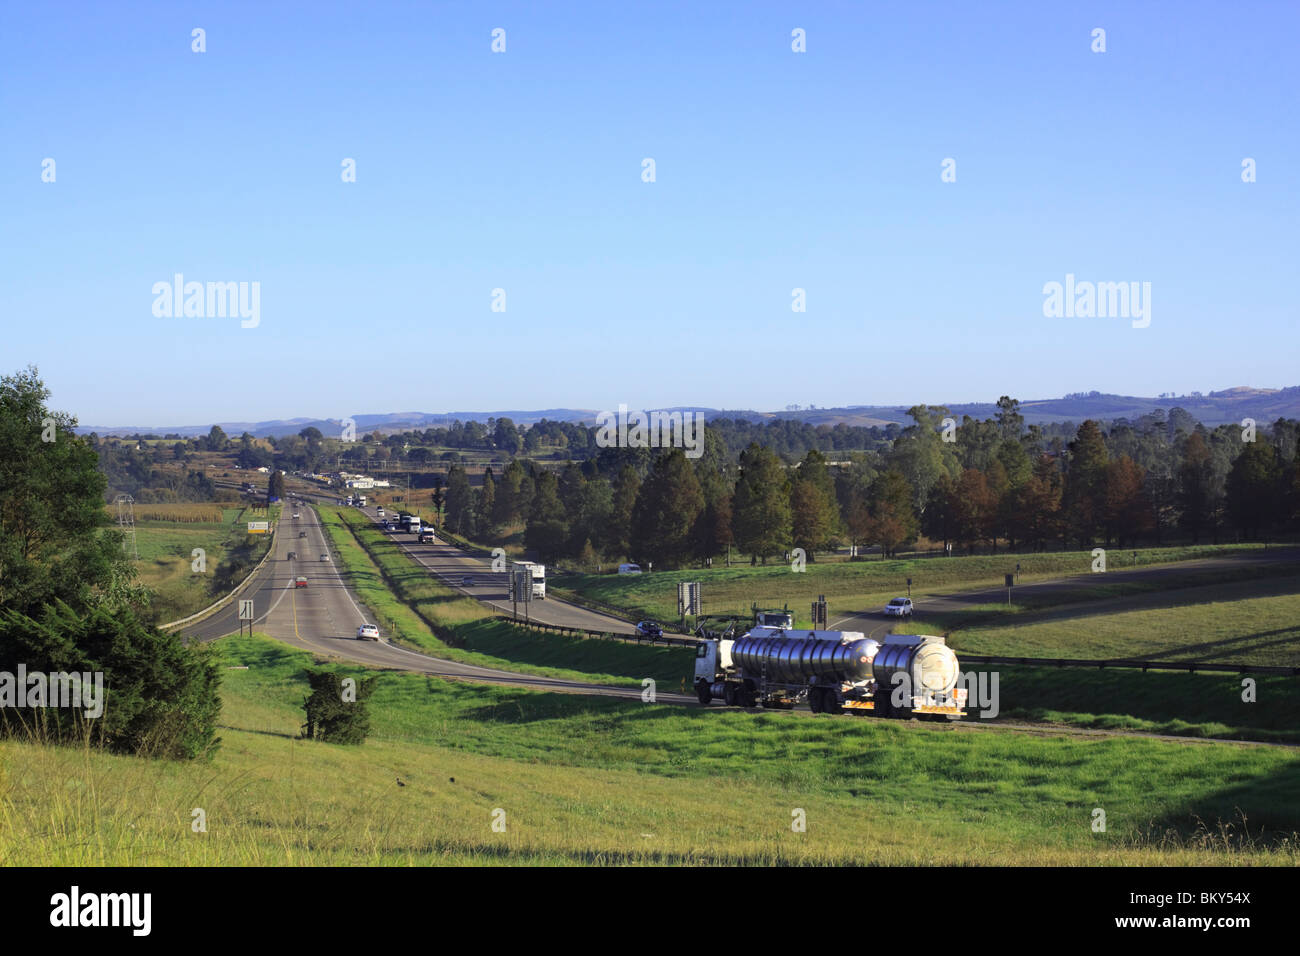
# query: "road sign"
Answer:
x=690 y=598
x=259 y=527
x=819 y=612
x=245 y=610
x=522 y=584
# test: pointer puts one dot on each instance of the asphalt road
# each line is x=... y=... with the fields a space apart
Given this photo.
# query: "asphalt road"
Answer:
x=451 y=565
x=324 y=616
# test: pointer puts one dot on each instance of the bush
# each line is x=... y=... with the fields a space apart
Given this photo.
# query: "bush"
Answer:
x=336 y=709
x=160 y=695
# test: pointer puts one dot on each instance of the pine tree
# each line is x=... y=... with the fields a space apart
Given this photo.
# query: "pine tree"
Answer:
x=626 y=487
x=1085 y=483
x=547 y=528
x=895 y=520
x=667 y=507
x=761 y=519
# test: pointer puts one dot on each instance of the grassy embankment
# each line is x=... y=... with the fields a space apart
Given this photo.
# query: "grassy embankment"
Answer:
x=584 y=780
x=167 y=535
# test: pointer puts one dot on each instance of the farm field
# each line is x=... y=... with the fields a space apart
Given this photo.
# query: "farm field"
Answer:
x=585 y=781
x=166 y=543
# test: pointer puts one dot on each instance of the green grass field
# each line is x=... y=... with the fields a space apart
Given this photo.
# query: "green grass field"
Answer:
x=166 y=560
x=848 y=586
x=595 y=781
x=1239 y=622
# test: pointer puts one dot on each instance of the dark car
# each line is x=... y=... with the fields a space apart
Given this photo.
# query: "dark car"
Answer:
x=293 y=555
x=302 y=534
x=650 y=629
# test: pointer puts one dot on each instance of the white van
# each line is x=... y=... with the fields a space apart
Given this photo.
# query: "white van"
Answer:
x=629 y=569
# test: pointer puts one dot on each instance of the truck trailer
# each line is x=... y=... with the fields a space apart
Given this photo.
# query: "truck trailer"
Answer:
x=833 y=671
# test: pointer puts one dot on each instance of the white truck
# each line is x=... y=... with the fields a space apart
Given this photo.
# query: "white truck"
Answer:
x=833 y=671
x=414 y=525
x=537 y=572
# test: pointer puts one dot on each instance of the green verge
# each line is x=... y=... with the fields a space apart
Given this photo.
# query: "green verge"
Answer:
x=599 y=781
x=417 y=610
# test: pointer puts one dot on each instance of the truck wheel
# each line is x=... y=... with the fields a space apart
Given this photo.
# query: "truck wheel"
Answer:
x=729 y=694
x=815 y=700
x=748 y=697
x=883 y=707
x=703 y=693
x=831 y=703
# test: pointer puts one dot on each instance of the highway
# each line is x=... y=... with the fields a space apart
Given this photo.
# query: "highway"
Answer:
x=324 y=616
x=451 y=565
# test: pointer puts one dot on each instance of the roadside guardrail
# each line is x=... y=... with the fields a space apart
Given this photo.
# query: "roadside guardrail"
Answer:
x=1189 y=666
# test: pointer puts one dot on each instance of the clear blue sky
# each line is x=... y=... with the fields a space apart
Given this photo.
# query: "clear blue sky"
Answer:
x=522 y=171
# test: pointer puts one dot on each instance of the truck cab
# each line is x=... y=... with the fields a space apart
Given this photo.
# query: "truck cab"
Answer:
x=780 y=617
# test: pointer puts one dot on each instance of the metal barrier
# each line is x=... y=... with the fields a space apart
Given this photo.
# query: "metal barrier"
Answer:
x=1189 y=666
x=665 y=640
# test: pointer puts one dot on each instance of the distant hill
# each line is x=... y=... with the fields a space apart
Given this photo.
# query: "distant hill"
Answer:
x=1214 y=408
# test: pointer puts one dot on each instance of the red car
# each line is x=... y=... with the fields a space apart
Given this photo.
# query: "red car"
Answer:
x=300 y=582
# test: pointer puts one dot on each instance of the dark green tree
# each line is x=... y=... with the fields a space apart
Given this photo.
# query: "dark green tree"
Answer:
x=667 y=507
x=460 y=502
x=336 y=708
x=55 y=540
x=160 y=695
x=761 y=519
x=1254 y=489
x=1085 y=483
x=547 y=529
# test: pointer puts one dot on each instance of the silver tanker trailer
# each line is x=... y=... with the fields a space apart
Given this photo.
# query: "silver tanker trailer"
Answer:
x=834 y=671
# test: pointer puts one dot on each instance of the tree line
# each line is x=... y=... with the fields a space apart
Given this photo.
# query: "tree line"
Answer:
x=974 y=485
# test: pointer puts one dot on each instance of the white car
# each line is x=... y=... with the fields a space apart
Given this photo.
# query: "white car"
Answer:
x=295 y=516
x=899 y=607
x=367 y=632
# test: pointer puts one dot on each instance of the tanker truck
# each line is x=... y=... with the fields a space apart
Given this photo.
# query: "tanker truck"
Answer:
x=833 y=671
